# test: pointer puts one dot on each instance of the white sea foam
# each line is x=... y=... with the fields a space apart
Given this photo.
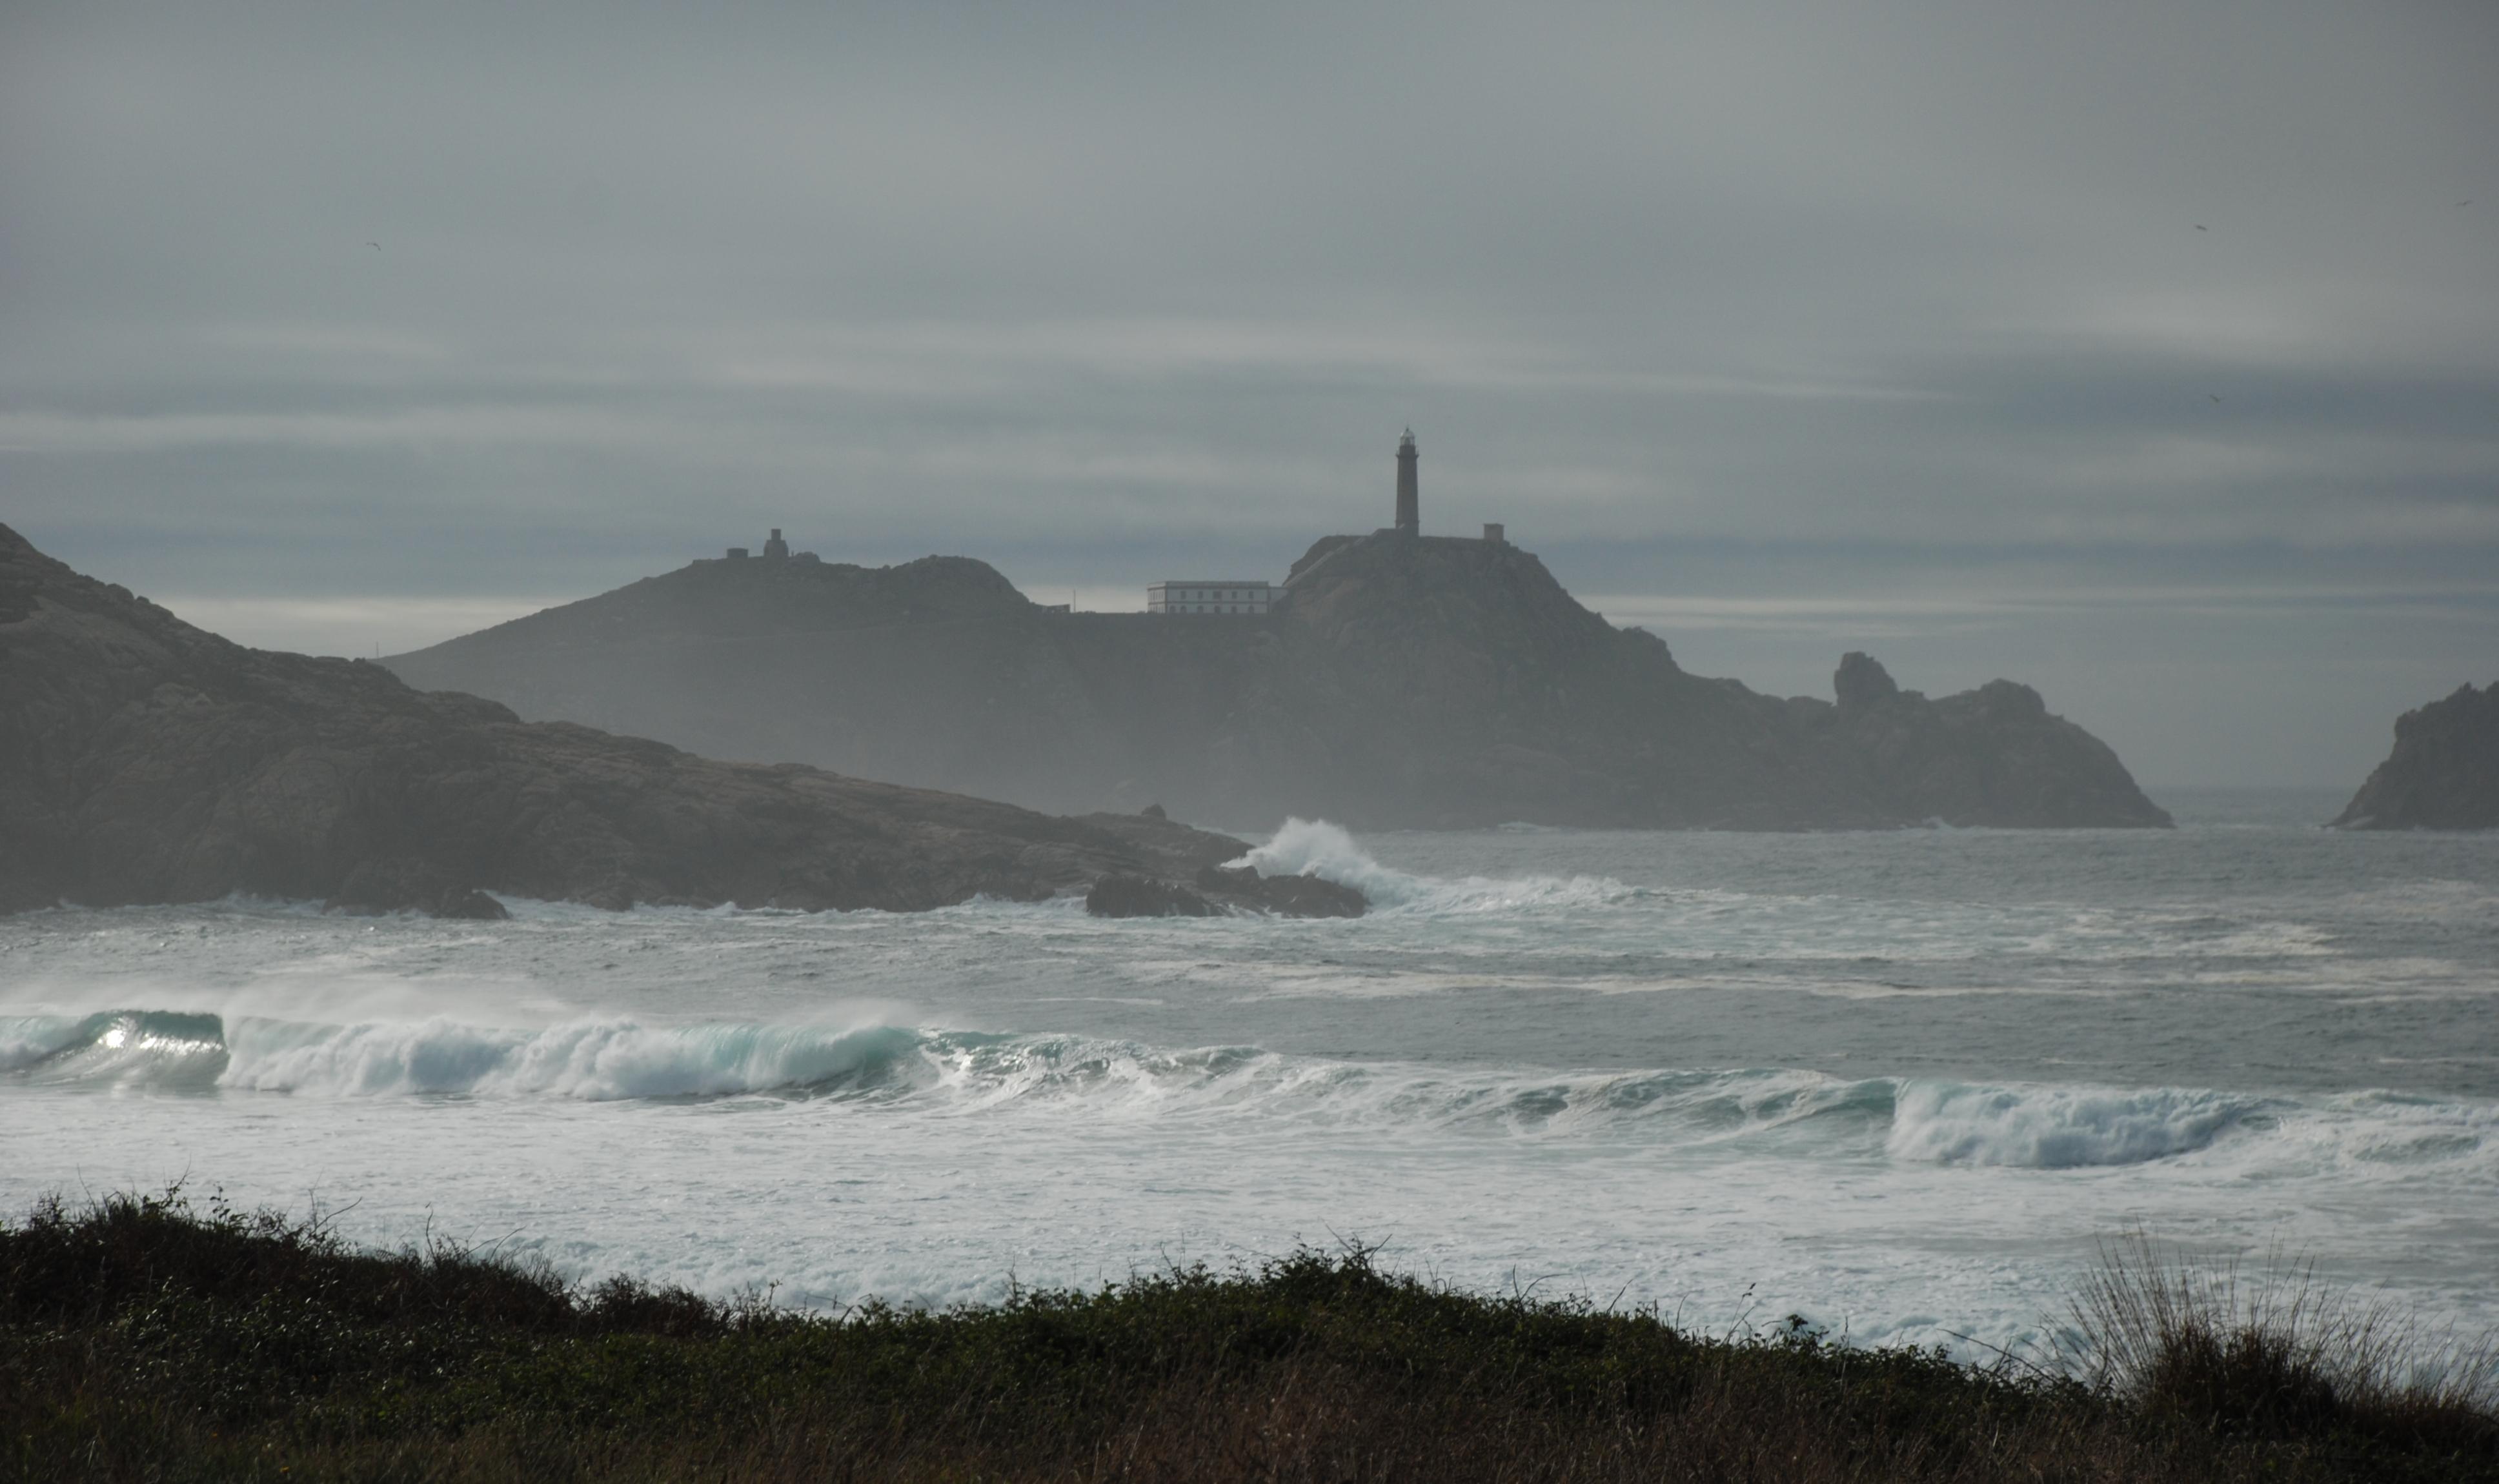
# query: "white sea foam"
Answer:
x=2058 y=1128
x=1317 y=848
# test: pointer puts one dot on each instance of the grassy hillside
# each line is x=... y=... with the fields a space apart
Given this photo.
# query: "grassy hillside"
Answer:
x=140 y=1340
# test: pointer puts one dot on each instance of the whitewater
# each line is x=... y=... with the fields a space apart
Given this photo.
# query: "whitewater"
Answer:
x=1903 y=1083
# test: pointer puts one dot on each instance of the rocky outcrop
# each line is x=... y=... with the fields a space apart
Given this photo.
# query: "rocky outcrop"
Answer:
x=1122 y=894
x=2443 y=772
x=1244 y=889
x=1398 y=681
x=1992 y=755
x=1861 y=683
x=146 y=761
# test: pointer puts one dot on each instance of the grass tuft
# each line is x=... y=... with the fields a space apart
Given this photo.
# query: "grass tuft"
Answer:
x=2273 y=1352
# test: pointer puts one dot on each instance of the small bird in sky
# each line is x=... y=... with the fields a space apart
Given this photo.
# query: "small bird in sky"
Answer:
x=2216 y=399
x=376 y=246
x=2199 y=226
x=2464 y=203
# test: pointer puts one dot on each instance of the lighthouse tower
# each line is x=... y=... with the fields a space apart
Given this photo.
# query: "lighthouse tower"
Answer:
x=1409 y=519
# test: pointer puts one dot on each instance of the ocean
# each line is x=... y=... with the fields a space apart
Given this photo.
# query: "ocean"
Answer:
x=1905 y=1084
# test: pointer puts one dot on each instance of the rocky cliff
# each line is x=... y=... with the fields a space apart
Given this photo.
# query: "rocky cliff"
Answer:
x=146 y=761
x=2444 y=773
x=1400 y=681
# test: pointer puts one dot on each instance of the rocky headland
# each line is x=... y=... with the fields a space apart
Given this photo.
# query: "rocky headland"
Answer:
x=143 y=760
x=2443 y=772
x=1399 y=681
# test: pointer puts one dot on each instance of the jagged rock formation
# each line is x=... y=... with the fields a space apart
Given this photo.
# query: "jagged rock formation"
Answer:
x=1400 y=681
x=2444 y=773
x=1290 y=897
x=1992 y=755
x=144 y=761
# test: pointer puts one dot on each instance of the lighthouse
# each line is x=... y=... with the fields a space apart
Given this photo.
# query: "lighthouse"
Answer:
x=1409 y=519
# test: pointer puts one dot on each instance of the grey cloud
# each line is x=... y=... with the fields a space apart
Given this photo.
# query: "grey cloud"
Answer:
x=1902 y=310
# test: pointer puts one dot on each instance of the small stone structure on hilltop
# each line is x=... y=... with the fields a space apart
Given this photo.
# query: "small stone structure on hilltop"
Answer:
x=1238 y=596
x=775 y=549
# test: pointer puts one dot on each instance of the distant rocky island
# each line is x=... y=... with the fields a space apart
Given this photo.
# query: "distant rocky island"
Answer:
x=144 y=761
x=2443 y=772
x=1394 y=680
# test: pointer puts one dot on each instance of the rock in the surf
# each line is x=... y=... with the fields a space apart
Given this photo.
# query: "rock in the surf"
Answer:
x=1125 y=894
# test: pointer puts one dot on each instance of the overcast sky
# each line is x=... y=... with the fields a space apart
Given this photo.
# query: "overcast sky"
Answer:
x=2148 y=352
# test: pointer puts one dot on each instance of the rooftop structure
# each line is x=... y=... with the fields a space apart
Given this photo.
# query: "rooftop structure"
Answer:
x=775 y=549
x=1236 y=595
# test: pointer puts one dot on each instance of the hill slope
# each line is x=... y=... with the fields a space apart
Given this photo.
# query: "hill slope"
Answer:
x=146 y=761
x=1400 y=682
x=2443 y=772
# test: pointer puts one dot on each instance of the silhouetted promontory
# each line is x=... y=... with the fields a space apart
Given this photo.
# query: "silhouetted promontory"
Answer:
x=2443 y=772
x=146 y=761
x=1397 y=681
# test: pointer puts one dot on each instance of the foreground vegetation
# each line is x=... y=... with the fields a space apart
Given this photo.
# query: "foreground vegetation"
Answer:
x=143 y=1339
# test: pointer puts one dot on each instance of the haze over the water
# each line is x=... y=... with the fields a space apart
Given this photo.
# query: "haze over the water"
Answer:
x=2148 y=353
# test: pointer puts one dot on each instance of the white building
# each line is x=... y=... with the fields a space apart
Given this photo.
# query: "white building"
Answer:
x=1209 y=595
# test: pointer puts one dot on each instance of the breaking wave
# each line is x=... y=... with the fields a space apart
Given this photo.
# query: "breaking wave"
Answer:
x=966 y=1073
x=157 y=1047
x=1317 y=848
x=593 y=1060
x=585 y=1059
x=2060 y=1128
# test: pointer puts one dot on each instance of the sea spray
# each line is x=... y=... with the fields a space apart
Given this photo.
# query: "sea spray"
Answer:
x=1317 y=848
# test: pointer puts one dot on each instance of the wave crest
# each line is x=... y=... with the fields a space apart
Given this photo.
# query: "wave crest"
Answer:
x=117 y=1047
x=595 y=1059
x=2057 y=1128
x=1317 y=848
x=935 y=1073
